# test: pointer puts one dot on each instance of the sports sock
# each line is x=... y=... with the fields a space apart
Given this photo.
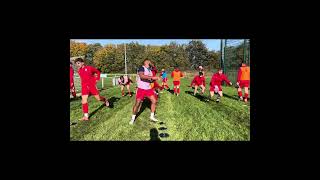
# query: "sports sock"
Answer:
x=85 y=108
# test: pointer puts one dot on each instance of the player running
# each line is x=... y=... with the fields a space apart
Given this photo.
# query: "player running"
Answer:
x=125 y=81
x=215 y=84
x=176 y=74
x=199 y=81
x=243 y=81
x=88 y=85
x=164 y=79
x=72 y=88
x=144 y=90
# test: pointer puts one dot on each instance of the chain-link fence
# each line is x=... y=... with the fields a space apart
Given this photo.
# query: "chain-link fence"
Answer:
x=235 y=51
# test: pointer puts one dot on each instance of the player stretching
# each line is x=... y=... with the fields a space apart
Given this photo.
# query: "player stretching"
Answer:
x=88 y=85
x=215 y=84
x=72 y=88
x=200 y=69
x=144 y=90
x=243 y=81
x=124 y=81
x=199 y=81
x=176 y=74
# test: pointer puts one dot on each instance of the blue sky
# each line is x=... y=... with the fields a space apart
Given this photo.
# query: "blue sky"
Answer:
x=211 y=44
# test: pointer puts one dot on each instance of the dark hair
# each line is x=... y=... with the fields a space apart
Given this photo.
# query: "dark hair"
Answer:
x=240 y=65
x=79 y=59
x=121 y=77
x=200 y=73
x=146 y=59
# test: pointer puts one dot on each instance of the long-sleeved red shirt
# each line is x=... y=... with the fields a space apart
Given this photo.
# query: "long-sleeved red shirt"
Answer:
x=218 y=78
x=71 y=74
x=199 y=80
x=86 y=74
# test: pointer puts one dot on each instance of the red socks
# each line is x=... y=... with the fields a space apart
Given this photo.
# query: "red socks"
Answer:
x=174 y=90
x=178 y=90
x=240 y=93
x=74 y=94
x=246 y=95
x=167 y=86
x=122 y=92
x=85 y=108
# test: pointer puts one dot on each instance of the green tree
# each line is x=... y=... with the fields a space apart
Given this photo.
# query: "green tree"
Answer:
x=197 y=53
x=91 y=49
x=135 y=56
x=78 y=49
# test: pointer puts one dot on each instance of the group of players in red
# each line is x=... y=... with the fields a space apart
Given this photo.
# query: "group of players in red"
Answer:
x=148 y=87
x=243 y=81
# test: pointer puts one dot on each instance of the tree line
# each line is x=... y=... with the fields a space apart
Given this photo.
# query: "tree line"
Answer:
x=110 y=57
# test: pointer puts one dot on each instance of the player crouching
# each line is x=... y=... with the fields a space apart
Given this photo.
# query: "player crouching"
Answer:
x=215 y=84
x=199 y=81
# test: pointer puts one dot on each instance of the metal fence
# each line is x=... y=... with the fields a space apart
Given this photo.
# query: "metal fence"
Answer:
x=233 y=53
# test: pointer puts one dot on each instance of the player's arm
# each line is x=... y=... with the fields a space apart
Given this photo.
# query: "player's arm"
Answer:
x=145 y=77
x=239 y=75
x=211 y=81
x=94 y=70
x=193 y=80
x=130 y=80
x=225 y=78
x=72 y=73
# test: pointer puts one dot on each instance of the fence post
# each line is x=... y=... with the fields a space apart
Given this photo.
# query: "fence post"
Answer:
x=244 y=52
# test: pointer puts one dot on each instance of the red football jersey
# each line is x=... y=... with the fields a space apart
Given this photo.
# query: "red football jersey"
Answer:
x=86 y=74
x=200 y=80
x=217 y=79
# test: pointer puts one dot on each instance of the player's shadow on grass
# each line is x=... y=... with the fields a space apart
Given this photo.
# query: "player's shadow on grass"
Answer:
x=127 y=93
x=200 y=97
x=75 y=99
x=111 y=105
x=171 y=91
x=154 y=135
x=231 y=97
x=112 y=100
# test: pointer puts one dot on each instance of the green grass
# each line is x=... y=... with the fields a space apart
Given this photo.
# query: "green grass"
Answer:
x=187 y=118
